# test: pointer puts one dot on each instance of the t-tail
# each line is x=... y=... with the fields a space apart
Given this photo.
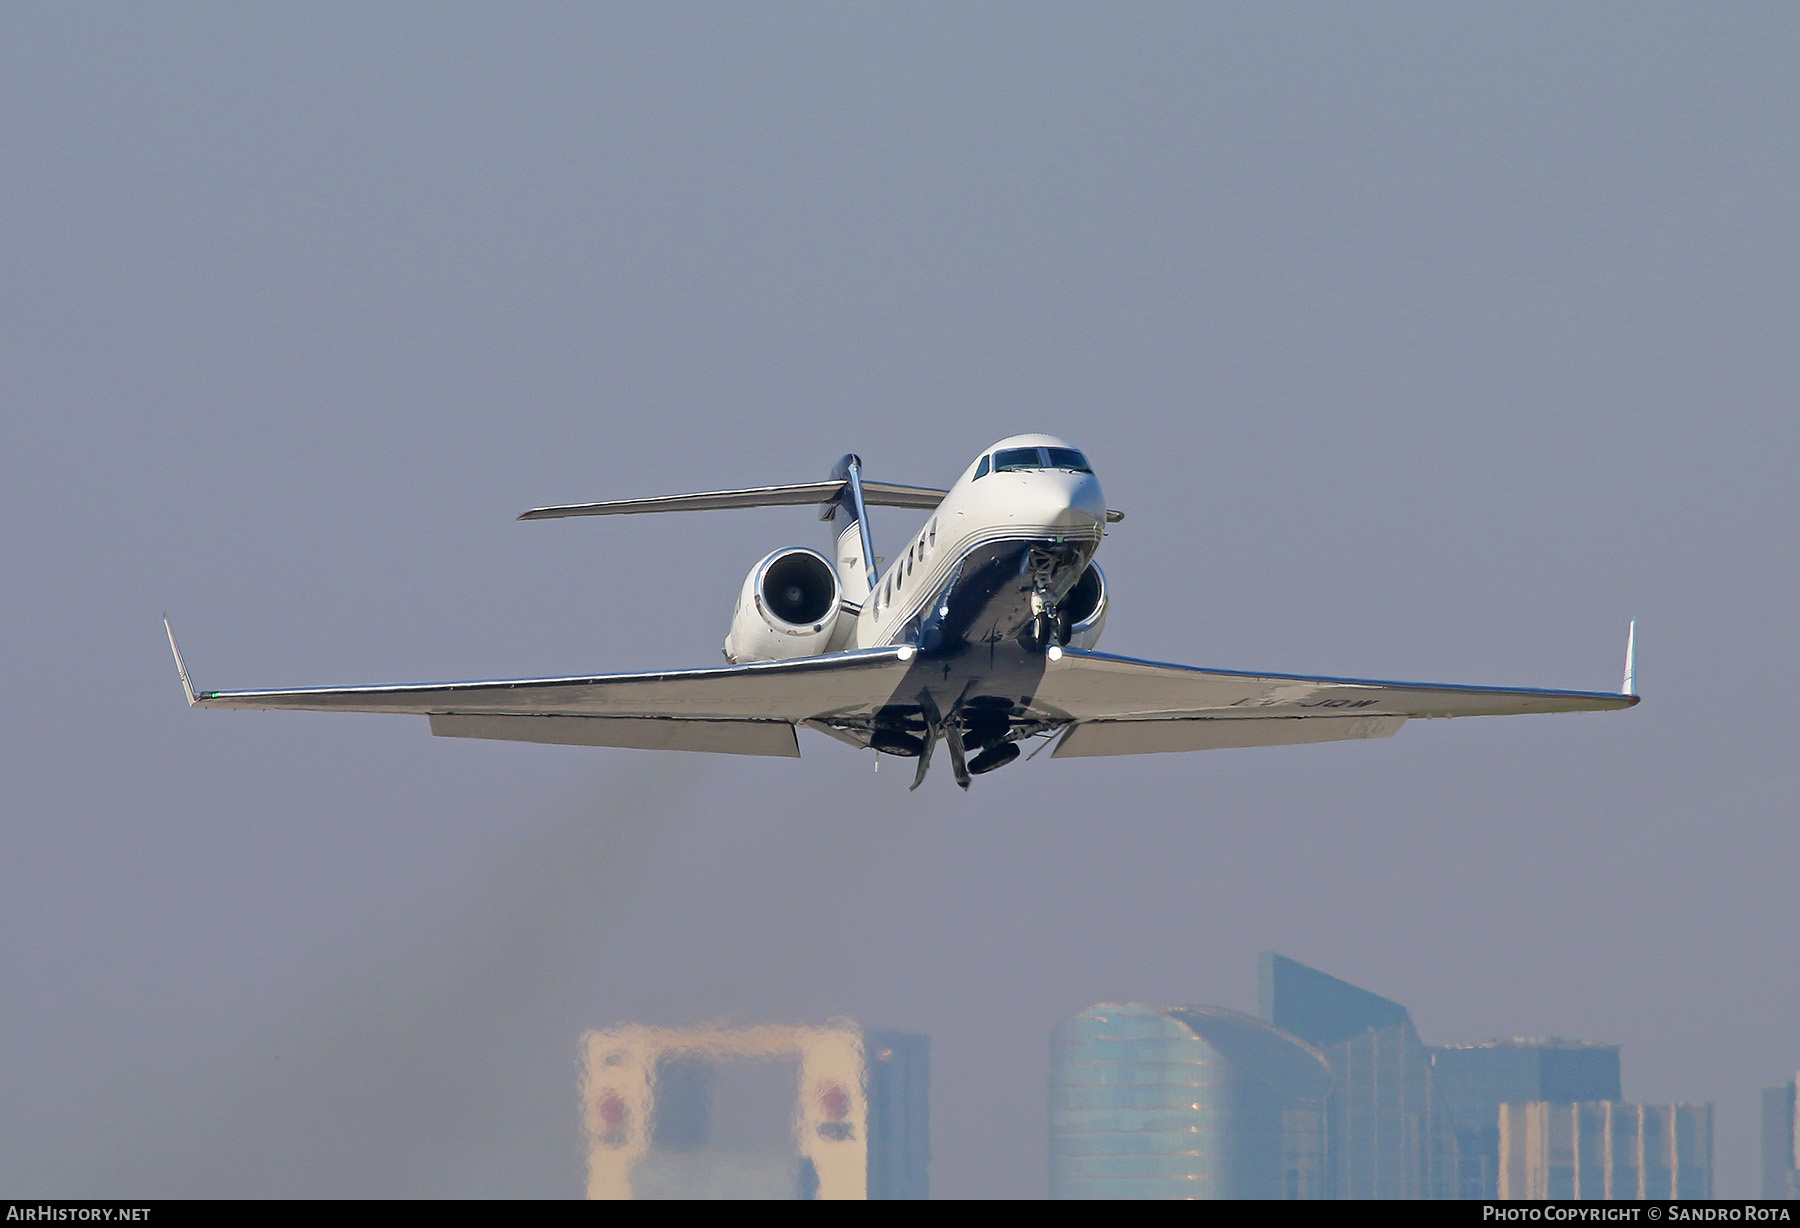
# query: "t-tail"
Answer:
x=848 y=513
x=795 y=602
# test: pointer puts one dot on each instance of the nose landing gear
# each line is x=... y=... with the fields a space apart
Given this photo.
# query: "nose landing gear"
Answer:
x=1047 y=626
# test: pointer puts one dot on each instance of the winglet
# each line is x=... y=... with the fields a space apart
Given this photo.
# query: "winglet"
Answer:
x=179 y=667
x=1630 y=687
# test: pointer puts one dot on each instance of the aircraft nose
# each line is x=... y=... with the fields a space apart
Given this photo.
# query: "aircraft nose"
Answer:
x=1062 y=502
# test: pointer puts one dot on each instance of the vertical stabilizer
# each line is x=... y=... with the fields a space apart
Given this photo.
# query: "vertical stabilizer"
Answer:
x=854 y=553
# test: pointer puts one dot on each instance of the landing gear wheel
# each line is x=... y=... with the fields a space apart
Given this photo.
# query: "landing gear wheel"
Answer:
x=993 y=757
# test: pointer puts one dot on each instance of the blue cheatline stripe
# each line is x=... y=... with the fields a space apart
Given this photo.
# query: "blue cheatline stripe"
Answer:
x=931 y=581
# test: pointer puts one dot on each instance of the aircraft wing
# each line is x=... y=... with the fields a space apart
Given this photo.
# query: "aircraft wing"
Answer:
x=1123 y=706
x=1110 y=705
x=741 y=709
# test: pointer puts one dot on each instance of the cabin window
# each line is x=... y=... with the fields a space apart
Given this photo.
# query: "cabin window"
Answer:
x=981 y=469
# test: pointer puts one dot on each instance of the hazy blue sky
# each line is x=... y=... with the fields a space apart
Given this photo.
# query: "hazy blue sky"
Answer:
x=1416 y=341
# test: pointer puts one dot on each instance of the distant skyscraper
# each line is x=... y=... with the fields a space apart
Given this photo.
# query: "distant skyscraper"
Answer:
x=1469 y=1083
x=759 y=1112
x=1608 y=1150
x=1379 y=1123
x=1183 y=1102
x=1780 y=1146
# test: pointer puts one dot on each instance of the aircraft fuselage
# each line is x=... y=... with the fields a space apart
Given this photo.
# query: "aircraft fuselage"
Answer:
x=978 y=593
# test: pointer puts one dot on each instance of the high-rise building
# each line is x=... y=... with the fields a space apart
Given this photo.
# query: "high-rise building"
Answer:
x=1469 y=1083
x=1183 y=1102
x=1780 y=1146
x=760 y=1112
x=1380 y=1130
x=1606 y=1150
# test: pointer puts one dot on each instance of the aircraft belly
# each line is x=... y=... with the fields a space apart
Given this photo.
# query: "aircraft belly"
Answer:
x=989 y=685
x=972 y=659
x=987 y=594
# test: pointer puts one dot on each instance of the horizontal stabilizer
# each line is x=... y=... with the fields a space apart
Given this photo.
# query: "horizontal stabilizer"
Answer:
x=875 y=494
x=884 y=494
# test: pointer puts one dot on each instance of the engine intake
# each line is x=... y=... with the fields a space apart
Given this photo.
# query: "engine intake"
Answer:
x=1083 y=612
x=787 y=608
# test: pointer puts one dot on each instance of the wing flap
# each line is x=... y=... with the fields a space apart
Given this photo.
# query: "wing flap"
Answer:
x=1092 y=686
x=775 y=738
x=1216 y=733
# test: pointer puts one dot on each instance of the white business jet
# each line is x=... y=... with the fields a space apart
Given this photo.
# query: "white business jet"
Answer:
x=979 y=636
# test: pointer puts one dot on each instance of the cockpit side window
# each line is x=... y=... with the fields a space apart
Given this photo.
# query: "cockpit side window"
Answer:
x=1011 y=460
x=981 y=469
x=1068 y=458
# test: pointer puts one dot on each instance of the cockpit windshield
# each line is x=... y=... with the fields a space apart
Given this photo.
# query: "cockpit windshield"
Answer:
x=1011 y=460
x=1014 y=460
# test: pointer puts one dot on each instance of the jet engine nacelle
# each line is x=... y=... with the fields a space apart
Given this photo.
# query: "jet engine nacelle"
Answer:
x=1083 y=612
x=787 y=608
